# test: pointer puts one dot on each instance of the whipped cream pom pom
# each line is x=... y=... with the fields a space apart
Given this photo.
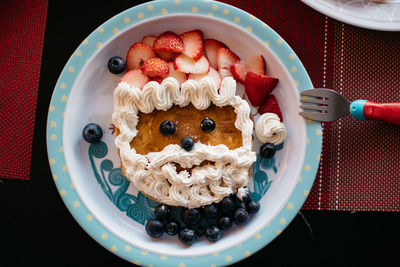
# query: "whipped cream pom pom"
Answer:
x=269 y=129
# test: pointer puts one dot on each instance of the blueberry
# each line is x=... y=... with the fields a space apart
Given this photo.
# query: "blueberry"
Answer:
x=162 y=212
x=172 y=228
x=267 y=150
x=224 y=223
x=191 y=216
x=187 y=143
x=213 y=233
x=116 y=65
x=187 y=236
x=200 y=230
x=227 y=205
x=253 y=207
x=167 y=128
x=92 y=133
x=240 y=216
x=207 y=125
x=211 y=211
x=238 y=203
x=154 y=228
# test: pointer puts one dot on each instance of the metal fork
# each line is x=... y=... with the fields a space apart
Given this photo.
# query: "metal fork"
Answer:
x=328 y=105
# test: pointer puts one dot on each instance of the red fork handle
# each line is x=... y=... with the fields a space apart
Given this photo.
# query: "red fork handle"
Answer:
x=387 y=112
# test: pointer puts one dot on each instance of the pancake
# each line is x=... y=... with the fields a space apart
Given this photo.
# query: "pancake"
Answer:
x=219 y=163
x=187 y=122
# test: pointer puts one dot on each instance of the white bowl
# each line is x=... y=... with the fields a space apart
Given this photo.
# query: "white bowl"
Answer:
x=85 y=90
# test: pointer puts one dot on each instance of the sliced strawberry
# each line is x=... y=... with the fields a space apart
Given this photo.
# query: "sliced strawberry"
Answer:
x=255 y=64
x=135 y=78
x=211 y=73
x=179 y=76
x=167 y=55
x=193 y=41
x=239 y=71
x=258 y=87
x=211 y=47
x=149 y=40
x=271 y=106
x=138 y=53
x=155 y=66
x=186 y=64
x=225 y=59
x=170 y=42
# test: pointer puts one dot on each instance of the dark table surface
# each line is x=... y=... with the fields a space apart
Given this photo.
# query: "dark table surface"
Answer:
x=36 y=228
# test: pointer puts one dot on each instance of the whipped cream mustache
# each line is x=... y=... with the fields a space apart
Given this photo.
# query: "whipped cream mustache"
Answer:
x=155 y=174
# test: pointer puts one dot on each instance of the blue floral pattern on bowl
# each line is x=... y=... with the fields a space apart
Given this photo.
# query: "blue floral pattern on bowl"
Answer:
x=260 y=176
x=139 y=208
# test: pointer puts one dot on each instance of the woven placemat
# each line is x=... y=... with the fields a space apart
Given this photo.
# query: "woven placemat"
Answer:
x=359 y=161
x=21 y=33
x=359 y=169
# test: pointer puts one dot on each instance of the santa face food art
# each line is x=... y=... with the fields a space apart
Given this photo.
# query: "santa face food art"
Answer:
x=152 y=124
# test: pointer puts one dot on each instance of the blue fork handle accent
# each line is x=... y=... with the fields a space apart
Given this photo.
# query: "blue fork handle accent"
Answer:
x=357 y=109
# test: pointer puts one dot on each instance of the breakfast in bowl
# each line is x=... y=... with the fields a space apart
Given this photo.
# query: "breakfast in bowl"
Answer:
x=185 y=136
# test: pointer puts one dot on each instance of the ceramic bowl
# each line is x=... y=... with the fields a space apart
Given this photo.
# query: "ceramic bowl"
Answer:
x=89 y=178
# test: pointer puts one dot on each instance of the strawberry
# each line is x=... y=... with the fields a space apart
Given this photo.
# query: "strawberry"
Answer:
x=155 y=66
x=166 y=55
x=193 y=41
x=180 y=76
x=149 y=40
x=211 y=73
x=138 y=53
x=186 y=64
x=170 y=42
x=258 y=87
x=225 y=59
x=239 y=71
x=211 y=47
x=135 y=78
x=255 y=64
x=271 y=106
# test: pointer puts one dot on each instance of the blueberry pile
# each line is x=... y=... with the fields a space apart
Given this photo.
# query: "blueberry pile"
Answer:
x=209 y=221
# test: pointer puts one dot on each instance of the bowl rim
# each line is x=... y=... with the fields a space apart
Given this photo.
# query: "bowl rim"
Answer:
x=128 y=19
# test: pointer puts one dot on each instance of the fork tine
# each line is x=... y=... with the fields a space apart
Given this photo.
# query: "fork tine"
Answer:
x=317 y=92
x=316 y=116
x=314 y=100
x=319 y=108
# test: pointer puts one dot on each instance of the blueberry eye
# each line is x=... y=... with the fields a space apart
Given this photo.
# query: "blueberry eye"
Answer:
x=208 y=125
x=167 y=128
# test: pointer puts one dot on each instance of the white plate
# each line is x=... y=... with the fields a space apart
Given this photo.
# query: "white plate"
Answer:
x=88 y=176
x=368 y=14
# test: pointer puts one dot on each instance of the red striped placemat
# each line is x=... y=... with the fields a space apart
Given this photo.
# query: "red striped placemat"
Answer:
x=21 y=33
x=359 y=162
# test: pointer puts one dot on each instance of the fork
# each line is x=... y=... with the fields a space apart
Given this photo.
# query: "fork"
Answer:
x=328 y=105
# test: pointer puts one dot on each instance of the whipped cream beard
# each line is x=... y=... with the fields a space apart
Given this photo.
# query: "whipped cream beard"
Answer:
x=155 y=174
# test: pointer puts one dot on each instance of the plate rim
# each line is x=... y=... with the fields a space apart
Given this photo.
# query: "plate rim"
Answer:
x=59 y=101
x=355 y=21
